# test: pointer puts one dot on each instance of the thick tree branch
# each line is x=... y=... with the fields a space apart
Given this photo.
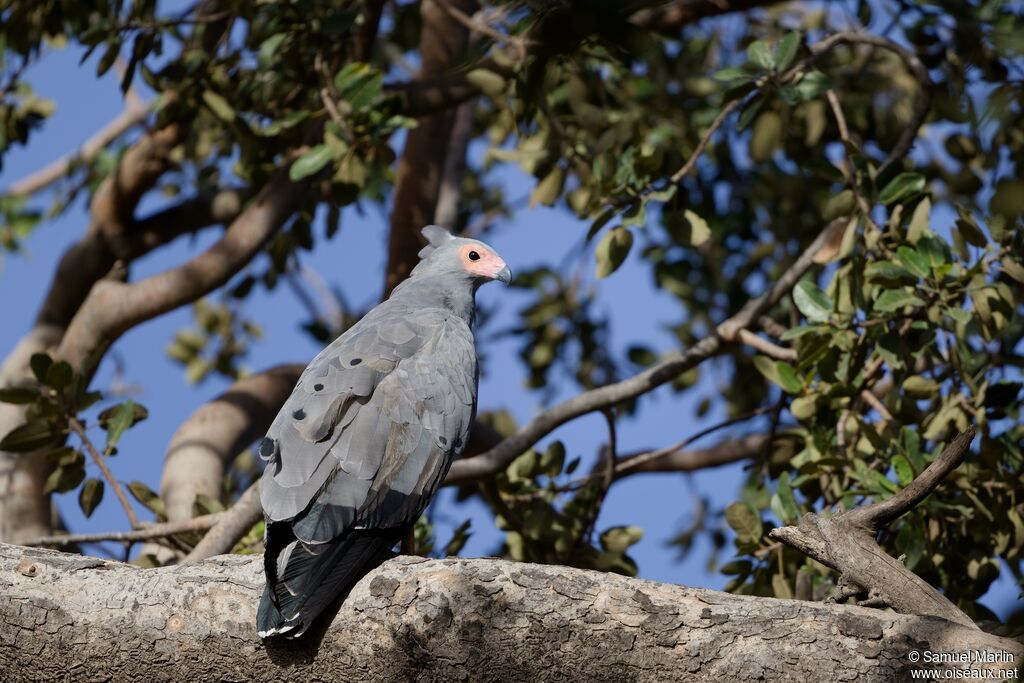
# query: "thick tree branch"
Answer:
x=204 y=445
x=113 y=307
x=846 y=543
x=77 y=618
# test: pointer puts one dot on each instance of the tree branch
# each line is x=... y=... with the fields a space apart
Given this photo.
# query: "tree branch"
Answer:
x=884 y=512
x=204 y=445
x=231 y=525
x=670 y=18
x=418 y=179
x=101 y=463
x=457 y=619
x=143 y=533
x=112 y=308
x=846 y=543
x=134 y=113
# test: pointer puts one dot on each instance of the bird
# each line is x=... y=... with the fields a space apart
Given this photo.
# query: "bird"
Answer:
x=369 y=432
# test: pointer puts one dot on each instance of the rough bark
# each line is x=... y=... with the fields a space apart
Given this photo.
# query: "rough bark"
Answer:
x=68 y=617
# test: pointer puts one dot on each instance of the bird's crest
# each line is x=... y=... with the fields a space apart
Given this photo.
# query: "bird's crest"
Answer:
x=436 y=236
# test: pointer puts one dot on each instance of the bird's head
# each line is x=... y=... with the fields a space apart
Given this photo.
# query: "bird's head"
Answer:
x=460 y=256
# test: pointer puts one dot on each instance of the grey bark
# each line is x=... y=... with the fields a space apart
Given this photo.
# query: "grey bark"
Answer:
x=68 y=617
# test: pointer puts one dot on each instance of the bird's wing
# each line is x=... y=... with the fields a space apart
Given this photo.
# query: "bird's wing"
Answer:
x=371 y=426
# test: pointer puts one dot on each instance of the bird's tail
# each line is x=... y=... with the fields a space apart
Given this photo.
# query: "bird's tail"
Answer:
x=304 y=579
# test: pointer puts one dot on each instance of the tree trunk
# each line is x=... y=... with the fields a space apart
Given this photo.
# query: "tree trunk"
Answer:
x=68 y=617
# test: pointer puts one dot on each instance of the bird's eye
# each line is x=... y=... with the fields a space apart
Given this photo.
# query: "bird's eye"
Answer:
x=473 y=256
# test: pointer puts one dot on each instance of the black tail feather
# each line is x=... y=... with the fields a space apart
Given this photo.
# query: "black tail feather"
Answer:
x=315 y=576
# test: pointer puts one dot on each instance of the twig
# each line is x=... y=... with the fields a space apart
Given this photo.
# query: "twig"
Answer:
x=100 y=461
x=704 y=141
x=873 y=401
x=145 y=533
x=766 y=347
x=608 y=477
x=848 y=169
x=132 y=115
x=476 y=25
x=229 y=526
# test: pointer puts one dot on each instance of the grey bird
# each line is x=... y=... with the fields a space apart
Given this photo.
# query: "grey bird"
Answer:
x=368 y=434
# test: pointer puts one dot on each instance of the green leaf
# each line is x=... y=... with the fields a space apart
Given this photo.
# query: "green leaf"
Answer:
x=915 y=262
x=40 y=363
x=785 y=51
x=548 y=190
x=268 y=49
x=745 y=522
x=220 y=107
x=904 y=472
x=618 y=538
x=59 y=375
x=29 y=436
x=311 y=162
x=65 y=478
x=812 y=302
x=612 y=250
x=918 y=386
x=780 y=587
x=812 y=86
x=730 y=74
x=120 y=421
x=18 y=395
x=902 y=187
x=700 y=231
x=788 y=503
x=1009 y=266
x=804 y=407
x=889 y=272
x=797 y=332
x=788 y=378
x=487 y=82
x=894 y=300
x=767 y=367
x=969 y=228
x=147 y=497
x=760 y=55
x=90 y=496
x=920 y=220
x=139 y=413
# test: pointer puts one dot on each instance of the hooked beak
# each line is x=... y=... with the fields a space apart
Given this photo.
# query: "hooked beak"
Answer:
x=504 y=275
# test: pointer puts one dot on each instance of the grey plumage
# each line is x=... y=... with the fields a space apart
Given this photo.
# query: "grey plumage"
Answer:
x=369 y=432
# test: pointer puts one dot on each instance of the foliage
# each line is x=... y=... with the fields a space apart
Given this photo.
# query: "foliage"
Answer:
x=711 y=158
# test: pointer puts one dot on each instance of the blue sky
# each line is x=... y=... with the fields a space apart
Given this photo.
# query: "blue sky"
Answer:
x=661 y=504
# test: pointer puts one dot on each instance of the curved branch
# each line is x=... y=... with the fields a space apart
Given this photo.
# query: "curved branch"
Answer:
x=112 y=308
x=846 y=543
